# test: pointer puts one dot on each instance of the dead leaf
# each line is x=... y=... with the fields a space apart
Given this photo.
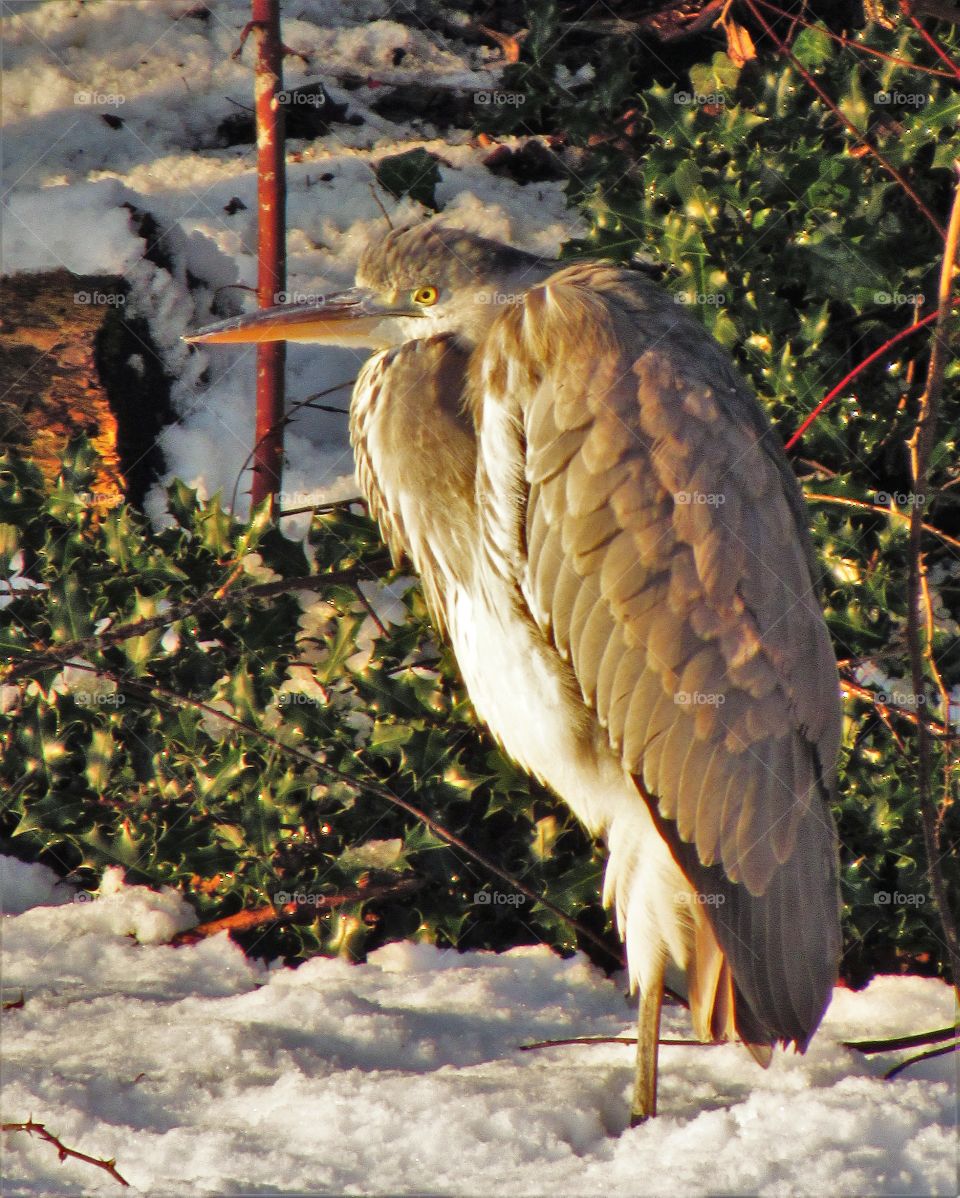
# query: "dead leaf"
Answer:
x=740 y=47
x=508 y=44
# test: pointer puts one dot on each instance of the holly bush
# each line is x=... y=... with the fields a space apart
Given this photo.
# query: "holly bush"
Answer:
x=220 y=709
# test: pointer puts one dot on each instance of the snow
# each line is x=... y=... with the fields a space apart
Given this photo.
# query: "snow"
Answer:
x=205 y=1072
x=72 y=174
x=23 y=886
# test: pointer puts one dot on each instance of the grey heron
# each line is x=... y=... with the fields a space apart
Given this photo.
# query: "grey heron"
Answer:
x=609 y=533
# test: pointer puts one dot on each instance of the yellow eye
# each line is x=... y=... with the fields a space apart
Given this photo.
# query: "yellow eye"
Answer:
x=425 y=296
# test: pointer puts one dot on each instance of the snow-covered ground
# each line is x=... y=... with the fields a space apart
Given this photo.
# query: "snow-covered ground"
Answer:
x=72 y=71
x=204 y=1072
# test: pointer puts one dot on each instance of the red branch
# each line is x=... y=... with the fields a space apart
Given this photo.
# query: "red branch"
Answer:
x=849 y=44
x=907 y=10
x=272 y=268
x=877 y=353
x=244 y=921
x=844 y=120
x=63 y=1151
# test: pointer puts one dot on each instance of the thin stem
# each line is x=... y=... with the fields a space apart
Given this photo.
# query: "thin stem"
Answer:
x=283 y=420
x=892 y=513
x=180 y=611
x=862 y=692
x=921 y=446
x=616 y=1040
x=39 y=1129
x=868 y=1047
x=907 y=10
x=924 y=1056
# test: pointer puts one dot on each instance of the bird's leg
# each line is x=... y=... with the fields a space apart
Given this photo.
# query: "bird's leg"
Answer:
x=644 y=1104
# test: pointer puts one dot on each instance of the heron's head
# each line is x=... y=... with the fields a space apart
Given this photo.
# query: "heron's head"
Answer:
x=415 y=283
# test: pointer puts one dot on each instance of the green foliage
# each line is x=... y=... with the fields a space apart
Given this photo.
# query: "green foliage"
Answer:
x=413 y=174
x=122 y=757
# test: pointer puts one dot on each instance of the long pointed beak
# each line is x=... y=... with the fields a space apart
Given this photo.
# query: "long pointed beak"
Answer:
x=342 y=318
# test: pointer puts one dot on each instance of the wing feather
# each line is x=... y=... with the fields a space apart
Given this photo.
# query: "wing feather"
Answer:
x=589 y=649
x=669 y=561
x=609 y=664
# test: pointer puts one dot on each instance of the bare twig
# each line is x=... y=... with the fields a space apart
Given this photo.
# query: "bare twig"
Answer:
x=890 y=512
x=924 y=1056
x=369 y=608
x=907 y=9
x=245 y=921
x=921 y=446
x=894 y=735
x=38 y=1129
x=868 y=1047
x=849 y=43
x=859 y=691
x=282 y=421
x=616 y=1040
x=331 y=506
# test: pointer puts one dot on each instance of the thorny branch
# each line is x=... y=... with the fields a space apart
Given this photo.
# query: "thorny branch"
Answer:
x=38 y=1129
x=244 y=921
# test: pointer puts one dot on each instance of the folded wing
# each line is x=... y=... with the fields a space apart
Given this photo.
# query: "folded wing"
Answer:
x=657 y=535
